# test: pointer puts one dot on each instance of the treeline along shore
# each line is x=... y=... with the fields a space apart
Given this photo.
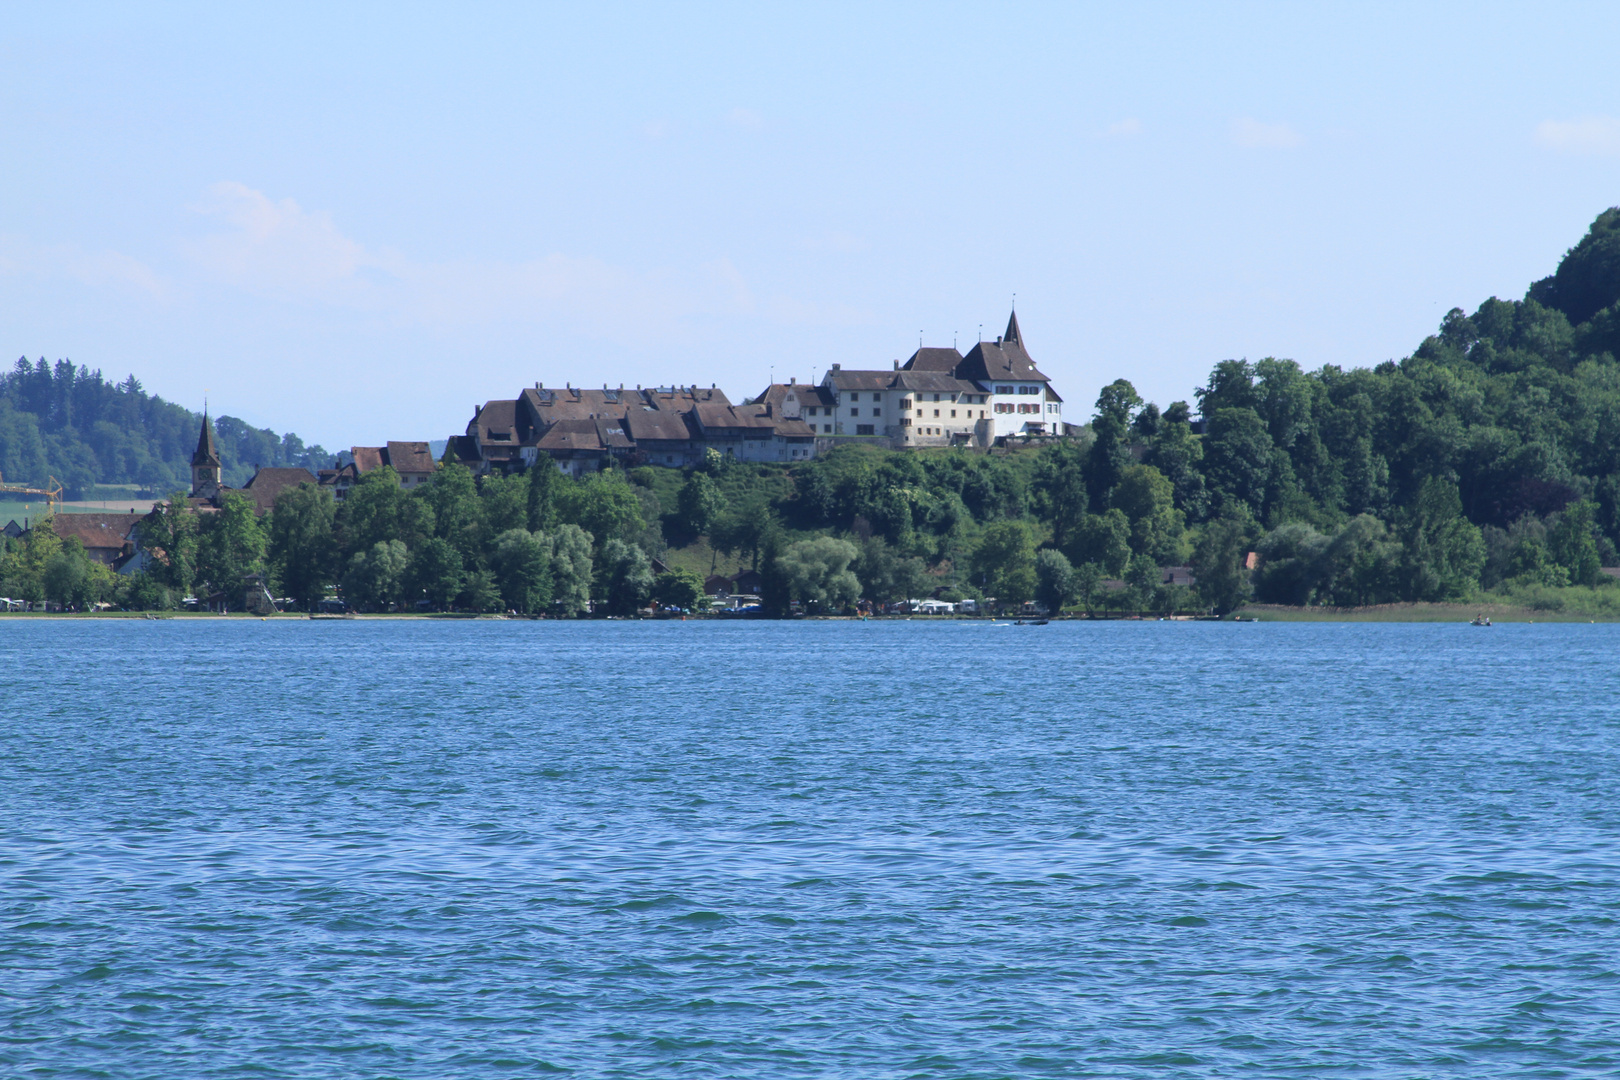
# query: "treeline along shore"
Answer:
x=1484 y=467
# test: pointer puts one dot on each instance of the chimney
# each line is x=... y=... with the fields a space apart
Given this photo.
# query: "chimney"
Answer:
x=537 y=384
x=793 y=380
x=837 y=367
x=897 y=365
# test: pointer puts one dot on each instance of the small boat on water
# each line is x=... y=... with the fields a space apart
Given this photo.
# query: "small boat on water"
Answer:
x=1032 y=622
x=1481 y=620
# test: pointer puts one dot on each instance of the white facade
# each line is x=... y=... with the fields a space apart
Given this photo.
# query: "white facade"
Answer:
x=1021 y=408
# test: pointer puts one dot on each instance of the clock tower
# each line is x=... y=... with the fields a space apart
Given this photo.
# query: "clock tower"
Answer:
x=205 y=471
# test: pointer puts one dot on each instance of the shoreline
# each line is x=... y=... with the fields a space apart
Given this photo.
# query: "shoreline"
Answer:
x=1402 y=613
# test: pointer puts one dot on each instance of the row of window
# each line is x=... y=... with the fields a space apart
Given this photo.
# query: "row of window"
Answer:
x=1021 y=407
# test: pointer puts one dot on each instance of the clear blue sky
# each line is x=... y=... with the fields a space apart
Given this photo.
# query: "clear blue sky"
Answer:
x=355 y=224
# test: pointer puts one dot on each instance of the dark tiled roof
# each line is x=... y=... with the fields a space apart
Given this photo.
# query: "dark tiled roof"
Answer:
x=713 y=416
x=932 y=359
x=992 y=360
x=612 y=434
x=495 y=418
x=410 y=457
x=367 y=458
x=266 y=484
x=657 y=424
x=776 y=395
x=96 y=529
x=572 y=435
x=939 y=382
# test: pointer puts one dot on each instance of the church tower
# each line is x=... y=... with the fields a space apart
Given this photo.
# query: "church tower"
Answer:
x=205 y=471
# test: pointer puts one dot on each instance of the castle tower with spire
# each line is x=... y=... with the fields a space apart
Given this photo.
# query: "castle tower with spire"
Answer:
x=205 y=464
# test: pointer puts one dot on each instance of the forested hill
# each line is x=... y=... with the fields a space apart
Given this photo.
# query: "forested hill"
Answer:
x=1469 y=462
x=69 y=422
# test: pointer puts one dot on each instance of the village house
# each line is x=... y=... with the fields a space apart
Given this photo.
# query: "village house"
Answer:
x=582 y=430
x=412 y=461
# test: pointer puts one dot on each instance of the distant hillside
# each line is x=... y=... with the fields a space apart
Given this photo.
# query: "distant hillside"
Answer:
x=69 y=422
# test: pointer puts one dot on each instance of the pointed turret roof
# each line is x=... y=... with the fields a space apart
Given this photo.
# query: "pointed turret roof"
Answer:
x=207 y=453
x=1012 y=333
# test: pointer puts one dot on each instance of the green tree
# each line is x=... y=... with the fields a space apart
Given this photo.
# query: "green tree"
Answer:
x=1147 y=498
x=232 y=545
x=479 y=591
x=375 y=577
x=681 y=589
x=1444 y=551
x=68 y=577
x=1218 y=564
x=602 y=504
x=1572 y=541
x=170 y=537
x=1004 y=563
x=1060 y=489
x=625 y=577
x=303 y=548
x=1110 y=452
x=452 y=493
x=571 y=569
x=1104 y=539
x=435 y=574
x=522 y=564
x=1237 y=457
x=817 y=572
x=376 y=509
x=1054 y=580
x=147 y=593
x=544 y=480
x=504 y=500
x=699 y=504
x=1087 y=578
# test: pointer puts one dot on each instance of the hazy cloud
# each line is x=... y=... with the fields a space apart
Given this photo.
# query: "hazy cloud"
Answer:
x=1252 y=133
x=277 y=248
x=1586 y=135
x=100 y=269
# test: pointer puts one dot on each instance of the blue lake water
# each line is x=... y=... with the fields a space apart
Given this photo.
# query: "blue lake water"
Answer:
x=511 y=849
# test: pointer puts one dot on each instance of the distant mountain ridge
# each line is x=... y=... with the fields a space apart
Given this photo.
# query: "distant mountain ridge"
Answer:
x=67 y=421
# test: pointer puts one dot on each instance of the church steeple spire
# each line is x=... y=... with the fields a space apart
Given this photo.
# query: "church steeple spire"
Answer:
x=1012 y=333
x=205 y=463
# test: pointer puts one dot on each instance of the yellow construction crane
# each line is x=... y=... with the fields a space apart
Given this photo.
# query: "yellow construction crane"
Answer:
x=52 y=492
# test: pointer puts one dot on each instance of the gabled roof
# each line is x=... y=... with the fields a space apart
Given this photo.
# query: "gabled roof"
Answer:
x=367 y=458
x=500 y=417
x=97 y=529
x=611 y=433
x=647 y=423
x=266 y=484
x=410 y=457
x=712 y=416
x=776 y=395
x=571 y=435
x=932 y=359
x=206 y=453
